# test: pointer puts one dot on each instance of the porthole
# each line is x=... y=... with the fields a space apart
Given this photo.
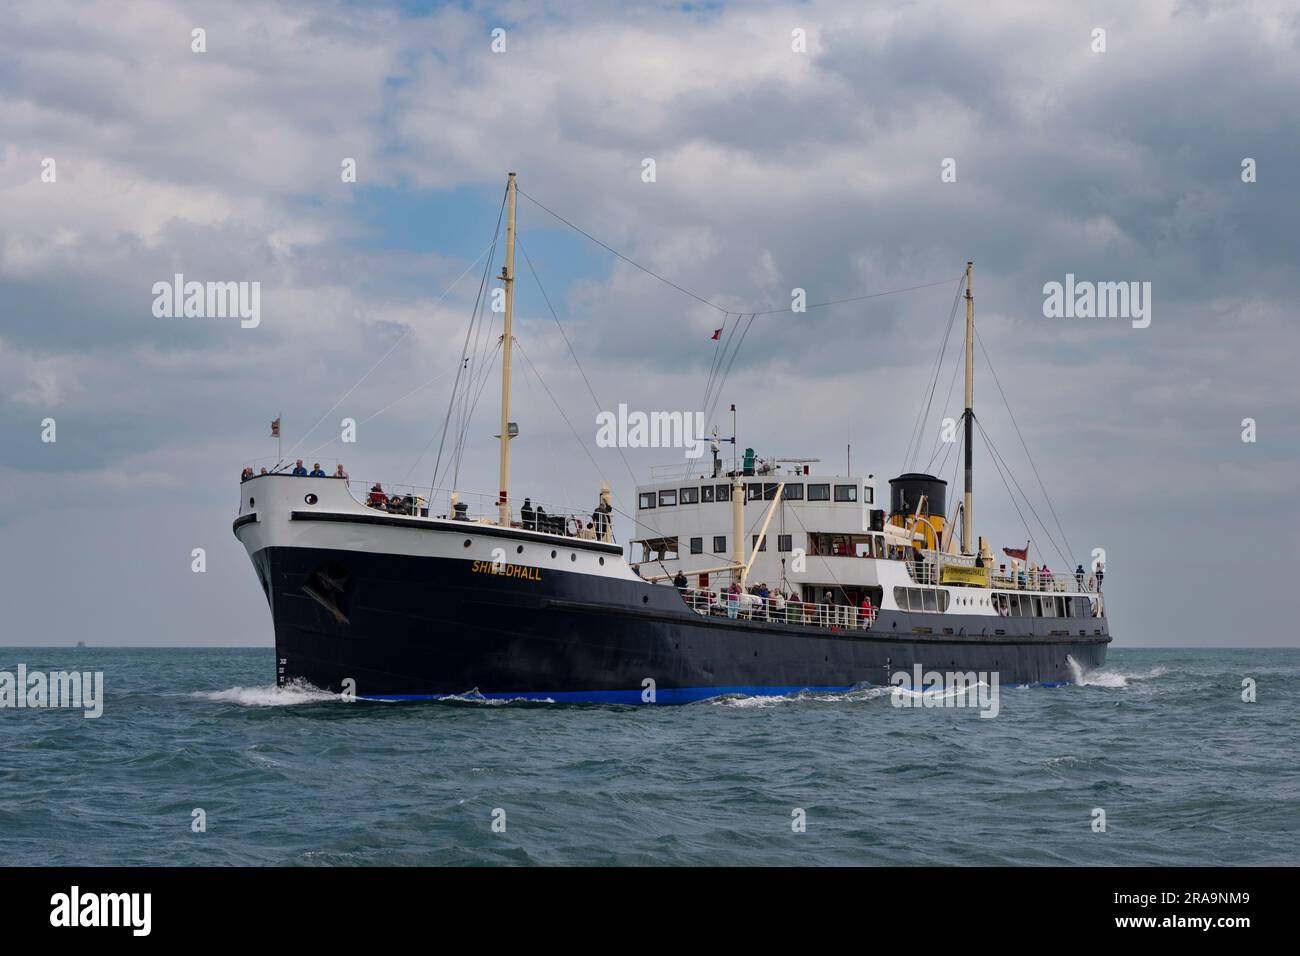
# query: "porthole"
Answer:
x=645 y=599
x=552 y=554
x=468 y=542
x=573 y=556
x=602 y=560
x=251 y=502
x=519 y=550
x=311 y=499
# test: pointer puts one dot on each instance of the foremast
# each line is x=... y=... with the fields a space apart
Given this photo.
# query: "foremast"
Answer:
x=508 y=279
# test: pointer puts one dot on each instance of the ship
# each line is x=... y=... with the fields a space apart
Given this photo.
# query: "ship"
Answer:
x=762 y=576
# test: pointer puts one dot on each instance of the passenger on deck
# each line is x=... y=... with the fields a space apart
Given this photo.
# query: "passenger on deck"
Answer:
x=588 y=533
x=868 y=611
x=340 y=473
x=317 y=471
x=299 y=470
x=1078 y=576
x=1101 y=573
x=263 y=471
x=527 y=516
x=246 y=474
x=679 y=582
x=377 y=496
x=542 y=521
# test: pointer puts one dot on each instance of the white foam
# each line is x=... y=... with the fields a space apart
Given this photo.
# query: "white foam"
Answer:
x=1113 y=679
x=270 y=695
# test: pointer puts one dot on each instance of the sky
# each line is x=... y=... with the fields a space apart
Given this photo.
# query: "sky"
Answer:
x=842 y=148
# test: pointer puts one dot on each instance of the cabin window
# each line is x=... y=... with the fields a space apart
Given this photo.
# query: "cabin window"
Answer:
x=921 y=599
x=719 y=544
x=819 y=492
x=689 y=496
x=668 y=498
x=868 y=495
x=724 y=492
x=753 y=490
x=647 y=499
x=697 y=545
x=846 y=492
x=706 y=493
x=793 y=492
x=755 y=543
x=784 y=542
x=769 y=490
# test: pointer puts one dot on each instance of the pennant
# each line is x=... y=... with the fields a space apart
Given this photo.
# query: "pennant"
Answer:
x=275 y=428
x=716 y=334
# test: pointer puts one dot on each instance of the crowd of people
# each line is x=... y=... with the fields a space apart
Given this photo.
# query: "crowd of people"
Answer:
x=758 y=602
x=1036 y=578
x=600 y=527
x=300 y=470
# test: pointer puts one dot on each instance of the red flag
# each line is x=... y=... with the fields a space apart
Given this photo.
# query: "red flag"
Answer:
x=275 y=428
x=1020 y=553
x=716 y=333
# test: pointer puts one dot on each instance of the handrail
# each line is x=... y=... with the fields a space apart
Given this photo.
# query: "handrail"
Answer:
x=414 y=501
x=782 y=610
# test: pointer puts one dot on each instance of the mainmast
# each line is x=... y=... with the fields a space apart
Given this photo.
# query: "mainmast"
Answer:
x=968 y=416
x=508 y=277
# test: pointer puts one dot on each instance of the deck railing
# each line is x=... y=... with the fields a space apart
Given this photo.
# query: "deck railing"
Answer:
x=416 y=501
x=752 y=607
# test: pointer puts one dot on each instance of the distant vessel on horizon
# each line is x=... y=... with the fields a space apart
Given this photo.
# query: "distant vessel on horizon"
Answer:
x=382 y=597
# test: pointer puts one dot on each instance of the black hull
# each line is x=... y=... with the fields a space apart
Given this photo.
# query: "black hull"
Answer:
x=417 y=627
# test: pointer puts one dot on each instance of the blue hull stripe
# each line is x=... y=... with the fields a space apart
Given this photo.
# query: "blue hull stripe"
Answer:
x=667 y=695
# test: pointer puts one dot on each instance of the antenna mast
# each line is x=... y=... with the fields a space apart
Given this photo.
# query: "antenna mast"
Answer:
x=968 y=416
x=508 y=278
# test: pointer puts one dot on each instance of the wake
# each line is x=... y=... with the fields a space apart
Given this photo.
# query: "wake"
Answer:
x=290 y=695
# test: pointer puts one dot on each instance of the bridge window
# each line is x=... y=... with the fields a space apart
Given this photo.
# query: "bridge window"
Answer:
x=706 y=493
x=647 y=500
x=846 y=492
x=793 y=492
x=724 y=492
x=668 y=498
x=819 y=492
x=690 y=496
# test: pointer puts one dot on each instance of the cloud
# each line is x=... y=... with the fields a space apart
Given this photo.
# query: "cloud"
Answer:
x=774 y=170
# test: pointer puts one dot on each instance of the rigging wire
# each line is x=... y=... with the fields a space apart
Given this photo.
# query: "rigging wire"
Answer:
x=443 y=374
x=400 y=339
x=932 y=381
x=712 y=305
x=997 y=455
x=496 y=233
x=1042 y=487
